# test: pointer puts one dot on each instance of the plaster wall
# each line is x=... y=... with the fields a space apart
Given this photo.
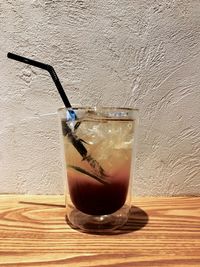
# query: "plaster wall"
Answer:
x=143 y=54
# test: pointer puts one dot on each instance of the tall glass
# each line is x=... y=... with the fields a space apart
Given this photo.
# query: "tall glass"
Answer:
x=99 y=157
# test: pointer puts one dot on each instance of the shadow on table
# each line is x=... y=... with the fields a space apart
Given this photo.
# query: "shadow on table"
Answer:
x=138 y=218
x=42 y=204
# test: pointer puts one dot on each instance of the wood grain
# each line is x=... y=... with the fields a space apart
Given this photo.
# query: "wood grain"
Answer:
x=160 y=232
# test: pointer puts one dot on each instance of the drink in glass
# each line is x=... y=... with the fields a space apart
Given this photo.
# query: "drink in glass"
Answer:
x=98 y=166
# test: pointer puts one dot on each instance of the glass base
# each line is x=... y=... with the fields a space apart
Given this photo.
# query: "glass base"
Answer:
x=98 y=224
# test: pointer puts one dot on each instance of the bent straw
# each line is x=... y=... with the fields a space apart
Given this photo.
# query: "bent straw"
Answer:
x=47 y=67
x=77 y=143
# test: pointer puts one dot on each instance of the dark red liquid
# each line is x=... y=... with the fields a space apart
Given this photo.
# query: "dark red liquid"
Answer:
x=98 y=199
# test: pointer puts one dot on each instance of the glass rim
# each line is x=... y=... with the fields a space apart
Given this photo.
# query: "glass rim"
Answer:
x=76 y=107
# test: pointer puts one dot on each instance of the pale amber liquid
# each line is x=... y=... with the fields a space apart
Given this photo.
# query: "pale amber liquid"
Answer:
x=109 y=142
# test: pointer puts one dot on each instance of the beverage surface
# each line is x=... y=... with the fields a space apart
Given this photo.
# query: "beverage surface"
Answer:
x=109 y=142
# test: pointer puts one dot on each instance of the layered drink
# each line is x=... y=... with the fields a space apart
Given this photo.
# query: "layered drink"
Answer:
x=98 y=148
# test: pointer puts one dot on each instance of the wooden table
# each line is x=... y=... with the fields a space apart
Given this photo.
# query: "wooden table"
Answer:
x=160 y=232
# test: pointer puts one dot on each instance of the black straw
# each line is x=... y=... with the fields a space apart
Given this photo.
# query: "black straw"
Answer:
x=47 y=67
x=77 y=143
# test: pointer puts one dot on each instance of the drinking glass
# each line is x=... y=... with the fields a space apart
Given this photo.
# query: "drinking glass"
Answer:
x=99 y=159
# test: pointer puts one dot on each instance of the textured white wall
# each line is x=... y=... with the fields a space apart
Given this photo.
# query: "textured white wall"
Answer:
x=143 y=54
